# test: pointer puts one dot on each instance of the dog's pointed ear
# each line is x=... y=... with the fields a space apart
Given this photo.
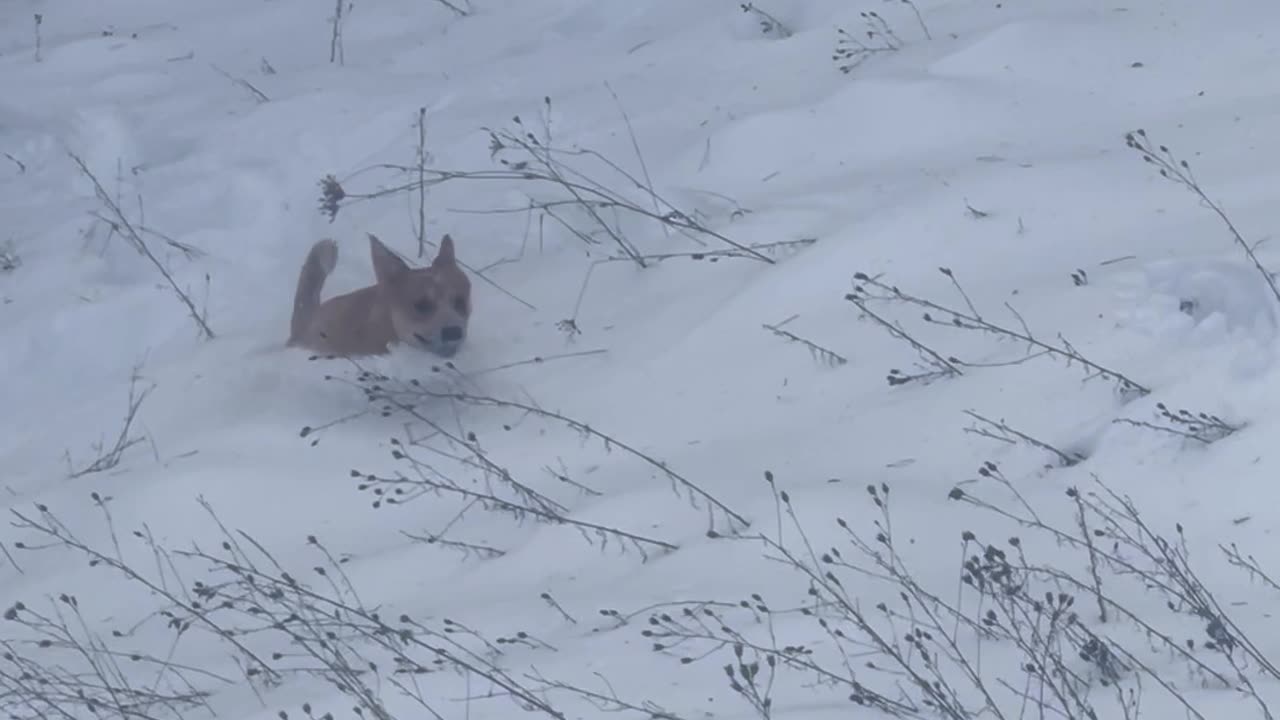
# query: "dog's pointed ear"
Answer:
x=445 y=256
x=387 y=266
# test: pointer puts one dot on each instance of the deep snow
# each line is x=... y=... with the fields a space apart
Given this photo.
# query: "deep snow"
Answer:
x=995 y=149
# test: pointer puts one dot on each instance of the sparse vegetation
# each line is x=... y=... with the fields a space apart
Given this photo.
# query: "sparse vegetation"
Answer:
x=934 y=365
x=853 y=49
x=770 y=26
x=114 y=217
x=1204 y=428
x=592 y=193
x=1011 y=636
x=21 y=166
x=109 y=454
x=461 y=8
x=1040 y=590
x=1001 y=431
x=818 y=352
x=253 y=90
x=337 y=52
x=1178 y=171
x=926 y=651
x=498 y=489
x=10 y=260
x=877 y=37
x=39 y=20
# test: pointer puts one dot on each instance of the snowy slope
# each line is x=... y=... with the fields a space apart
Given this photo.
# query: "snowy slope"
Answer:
x=989 y=141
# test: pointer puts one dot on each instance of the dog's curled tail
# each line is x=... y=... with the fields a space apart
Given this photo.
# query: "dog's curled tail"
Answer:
x=320 y=261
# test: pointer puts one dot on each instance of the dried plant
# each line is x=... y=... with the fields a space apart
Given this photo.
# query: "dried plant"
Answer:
x=869 y=289
x=770 y=26
x=1204 y=428
x=109 y=456
x=818 y=352
x=602 y=195
x=853 y=49
x=1179 y=172
x=119 y=222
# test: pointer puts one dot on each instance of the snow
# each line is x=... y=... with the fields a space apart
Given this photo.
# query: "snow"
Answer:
x=994 y=148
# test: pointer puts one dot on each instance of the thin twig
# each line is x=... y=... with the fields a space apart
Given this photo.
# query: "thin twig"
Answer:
x=109 y=458
x=336 y=51
x=260 y=96
x=22 y=167
x=1064 y=459
x=828 y=357
x=422 y=184
x=1179 y=171
x=120 y=223
x=459 y=11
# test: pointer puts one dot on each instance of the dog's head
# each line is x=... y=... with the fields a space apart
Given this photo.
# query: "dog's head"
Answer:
x=429 y=306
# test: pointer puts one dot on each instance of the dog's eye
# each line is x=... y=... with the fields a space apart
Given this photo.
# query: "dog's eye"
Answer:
x=424 y=306
x=460 y=304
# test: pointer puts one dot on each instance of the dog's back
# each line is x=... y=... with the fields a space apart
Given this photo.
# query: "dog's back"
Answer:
x=428 y=307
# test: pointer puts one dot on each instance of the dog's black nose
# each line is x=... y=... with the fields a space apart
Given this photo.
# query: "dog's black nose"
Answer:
x=452 y=333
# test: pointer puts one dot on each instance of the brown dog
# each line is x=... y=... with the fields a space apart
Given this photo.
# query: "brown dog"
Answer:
x=424 y=307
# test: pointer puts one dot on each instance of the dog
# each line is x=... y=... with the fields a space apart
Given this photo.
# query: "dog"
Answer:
x=426 y=307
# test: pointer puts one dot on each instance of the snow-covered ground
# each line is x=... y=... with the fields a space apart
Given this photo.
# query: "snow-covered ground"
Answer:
x=593 y=504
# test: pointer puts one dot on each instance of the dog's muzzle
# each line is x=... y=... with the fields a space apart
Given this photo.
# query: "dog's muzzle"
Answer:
x=446 y=345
